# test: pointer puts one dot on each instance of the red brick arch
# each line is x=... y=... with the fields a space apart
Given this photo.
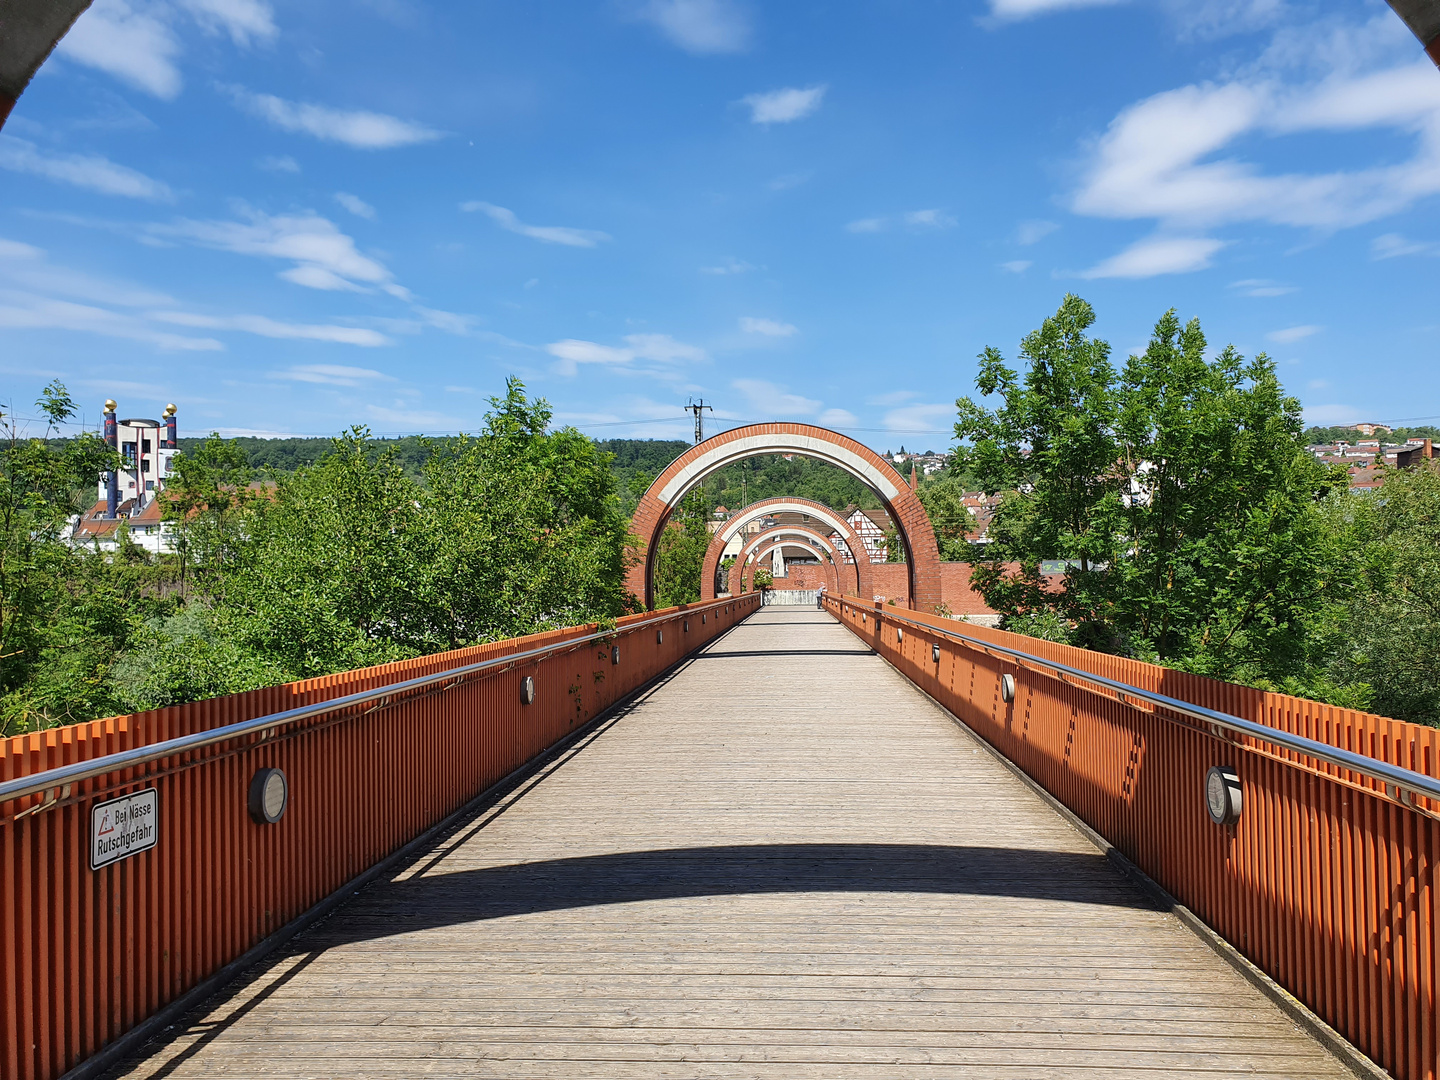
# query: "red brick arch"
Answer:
x=865 y=588
x=922 y=556
x=764 y=543
x=831 y=581
x=778 y=534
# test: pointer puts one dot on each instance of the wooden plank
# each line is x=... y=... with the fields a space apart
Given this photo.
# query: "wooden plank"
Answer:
x=783 y=862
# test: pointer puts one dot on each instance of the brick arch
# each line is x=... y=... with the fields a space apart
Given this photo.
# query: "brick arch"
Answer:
x=831 y=580
x=863 y=578
x=922 y=556
x=762 y=543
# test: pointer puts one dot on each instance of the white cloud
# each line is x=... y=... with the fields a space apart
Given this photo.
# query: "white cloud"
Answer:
x=783 y=106
x=727 y=266
x=83 y=170
x=1032 y=232
x=786 y=181
x=356 y=128
x=548 y=234
x=27 y=311
x=1263 y=287
x=659 y=348
x=1318 y=384
x=138 y=44
x=271 y=328
x=929 y=219
x=1393 y=245
x=1291 y=334
x=700 y=26
x=921 y=419
x=866 y=225
x=1014 y=10
x=135 y=45
x=1154 y=160
x=915 y=220
x=324 y=257
x=892 y=397
x=765 y=327
x=1332 y=415
x=1016 y=266
x=244 y=20
x=768 y=399
x=26 y=267
x=411 y=419
x=1158 y=255
x=332 y=375
x=837 y=419
x=356 y=205
x=286 y=164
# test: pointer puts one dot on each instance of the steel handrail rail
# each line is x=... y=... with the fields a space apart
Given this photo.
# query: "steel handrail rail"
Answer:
x=1374 y=768
x=50 y=779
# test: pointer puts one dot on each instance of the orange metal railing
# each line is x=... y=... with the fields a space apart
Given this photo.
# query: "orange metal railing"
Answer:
x=1327 y=880
x=372 y=758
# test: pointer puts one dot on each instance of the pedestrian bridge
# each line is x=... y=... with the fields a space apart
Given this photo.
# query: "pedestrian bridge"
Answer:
x=726 y=841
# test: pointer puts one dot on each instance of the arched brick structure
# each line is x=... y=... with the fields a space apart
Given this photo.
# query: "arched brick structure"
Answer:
x=767 y=548
x=864 y=584
x=762 y=544
x=922 y=557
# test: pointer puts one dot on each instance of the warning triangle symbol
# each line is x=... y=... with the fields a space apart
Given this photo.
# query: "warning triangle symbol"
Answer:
x=105 y=826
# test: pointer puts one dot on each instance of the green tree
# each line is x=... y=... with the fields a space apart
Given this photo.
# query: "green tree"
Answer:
x=944 y=502
x=680 y=554
x=1384 y=627
x=1050 y=448
x=64 y=613
x=1178 y=494
x=208 y=500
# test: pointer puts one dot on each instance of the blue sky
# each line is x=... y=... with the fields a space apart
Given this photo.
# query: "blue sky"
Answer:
x=292 y=218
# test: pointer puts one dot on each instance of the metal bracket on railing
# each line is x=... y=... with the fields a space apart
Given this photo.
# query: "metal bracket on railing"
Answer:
x=48 y=803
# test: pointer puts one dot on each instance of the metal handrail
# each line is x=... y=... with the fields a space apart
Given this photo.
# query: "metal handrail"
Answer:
x=1381 y=771
x=141 y=755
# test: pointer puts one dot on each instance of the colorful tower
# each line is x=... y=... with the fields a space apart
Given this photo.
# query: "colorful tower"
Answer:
x=112 y=480
x=170 y=442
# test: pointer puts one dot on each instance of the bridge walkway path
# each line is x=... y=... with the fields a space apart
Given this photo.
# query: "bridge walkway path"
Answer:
x=782 y=862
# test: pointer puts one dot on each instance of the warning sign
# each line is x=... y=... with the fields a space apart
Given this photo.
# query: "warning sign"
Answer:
x=124 y=827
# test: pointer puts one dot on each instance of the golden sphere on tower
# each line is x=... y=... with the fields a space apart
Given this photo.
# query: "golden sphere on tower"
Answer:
x=109 y=404
x=170 y=409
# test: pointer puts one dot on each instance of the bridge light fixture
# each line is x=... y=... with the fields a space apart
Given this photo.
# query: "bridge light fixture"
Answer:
x=269 y=796
x=935 y=652
x=1223 y=795
x=899 y=633
x=527 y=690
x=659 y=637
x=614 y=654
x=1007 y=688
x=686 y=626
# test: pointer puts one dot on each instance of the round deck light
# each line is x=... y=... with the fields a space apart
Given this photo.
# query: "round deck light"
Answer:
x=269 y=796
x=1223 y=796
x=527 y=690
x=1007 y=688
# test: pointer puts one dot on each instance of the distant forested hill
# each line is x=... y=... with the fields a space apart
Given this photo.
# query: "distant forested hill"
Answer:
x=1317 y=435
x=636 y=462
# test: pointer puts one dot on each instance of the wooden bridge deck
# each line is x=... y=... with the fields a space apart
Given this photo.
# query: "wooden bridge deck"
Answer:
x=782 y=862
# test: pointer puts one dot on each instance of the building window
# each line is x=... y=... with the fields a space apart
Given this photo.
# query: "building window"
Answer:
x=149 y=485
